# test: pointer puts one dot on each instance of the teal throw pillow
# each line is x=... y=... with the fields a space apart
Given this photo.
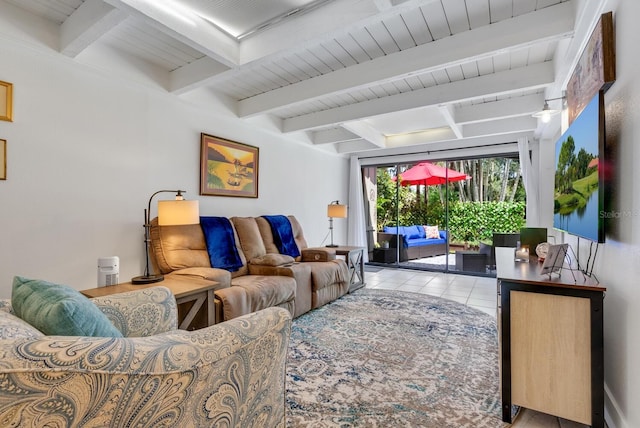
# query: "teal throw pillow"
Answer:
x=58 y=310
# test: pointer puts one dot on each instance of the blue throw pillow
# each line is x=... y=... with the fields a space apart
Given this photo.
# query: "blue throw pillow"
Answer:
x=58 y=310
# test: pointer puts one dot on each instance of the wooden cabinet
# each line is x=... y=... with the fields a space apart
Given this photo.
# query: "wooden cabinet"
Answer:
x=551 y=341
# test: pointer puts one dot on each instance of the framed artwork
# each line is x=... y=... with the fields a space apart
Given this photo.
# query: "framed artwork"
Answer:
x=596 y=68
x=555 y=259
x=228 y=168
x=6 y=101
x=3 y=159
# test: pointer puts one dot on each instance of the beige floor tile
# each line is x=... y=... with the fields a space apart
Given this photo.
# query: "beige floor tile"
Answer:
x=531 y=419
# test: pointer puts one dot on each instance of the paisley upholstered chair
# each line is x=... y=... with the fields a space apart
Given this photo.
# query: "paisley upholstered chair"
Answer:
x=230 y=374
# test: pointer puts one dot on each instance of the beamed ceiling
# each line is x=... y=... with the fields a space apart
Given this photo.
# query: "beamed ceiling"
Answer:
x=348 y=76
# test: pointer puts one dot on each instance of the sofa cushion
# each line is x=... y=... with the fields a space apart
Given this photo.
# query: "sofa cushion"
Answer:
x=58 y=310
x=420 y=242
x=249 y=237
x=432 y=232
x=12 y=327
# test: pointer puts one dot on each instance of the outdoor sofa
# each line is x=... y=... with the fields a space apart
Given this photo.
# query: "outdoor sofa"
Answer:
x=414 y=241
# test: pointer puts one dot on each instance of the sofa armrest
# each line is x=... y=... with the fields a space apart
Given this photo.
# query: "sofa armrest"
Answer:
x=272 y=260
x=318 y=254
x=233 y=371
x=140 y=313
x=212 y=274
x=391 y=238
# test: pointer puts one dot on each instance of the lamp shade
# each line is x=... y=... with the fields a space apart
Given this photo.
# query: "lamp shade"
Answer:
x=337 y=211
x=174 y=213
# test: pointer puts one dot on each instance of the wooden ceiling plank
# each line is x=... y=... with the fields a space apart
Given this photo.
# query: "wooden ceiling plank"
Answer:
x=553 y=22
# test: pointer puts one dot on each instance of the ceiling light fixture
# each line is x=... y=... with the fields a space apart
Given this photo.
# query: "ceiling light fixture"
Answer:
x=546 y=112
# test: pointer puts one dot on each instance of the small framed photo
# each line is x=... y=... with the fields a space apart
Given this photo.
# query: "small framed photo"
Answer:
x=555 y=259
x=6 y=101
x=3 y=159
x=228 y=168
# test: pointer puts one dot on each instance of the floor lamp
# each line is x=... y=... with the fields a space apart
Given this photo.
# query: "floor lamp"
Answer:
x=170 y=213
x=335 y=210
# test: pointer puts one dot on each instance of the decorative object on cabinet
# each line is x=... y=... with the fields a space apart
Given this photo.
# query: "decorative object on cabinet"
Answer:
x=228 y=168
x=6 y=101
x=170 y=213
x=542 y=249
x=596 y=68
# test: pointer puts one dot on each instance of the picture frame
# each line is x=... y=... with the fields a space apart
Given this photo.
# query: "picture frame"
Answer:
x=596 y=68
x=228 y=168
x=3 y=159
x=6 y=101
x=555 y=259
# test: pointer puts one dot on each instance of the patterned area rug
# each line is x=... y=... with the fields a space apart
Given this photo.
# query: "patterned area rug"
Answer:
x=379 y=358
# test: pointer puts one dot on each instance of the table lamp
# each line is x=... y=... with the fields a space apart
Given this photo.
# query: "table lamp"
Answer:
x=335 y=210
x=170 y=213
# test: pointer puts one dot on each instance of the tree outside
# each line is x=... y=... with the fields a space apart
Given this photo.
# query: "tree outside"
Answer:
x=493 y=200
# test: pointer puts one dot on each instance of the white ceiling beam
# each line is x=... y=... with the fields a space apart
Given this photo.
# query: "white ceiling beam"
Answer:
x=184 y=25
x=194 y=75
x=517 y=79
x=87 y=24
x=334 y=135
x=337 y=18
x=355 y=146
x=445 y=148
x=447 y=112
x=502 y=126
x=367 y=132
x=550 y=23
x=511 y=107
x=422 y=137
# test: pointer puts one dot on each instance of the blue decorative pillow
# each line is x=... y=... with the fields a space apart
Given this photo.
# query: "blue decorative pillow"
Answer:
x=58 y=310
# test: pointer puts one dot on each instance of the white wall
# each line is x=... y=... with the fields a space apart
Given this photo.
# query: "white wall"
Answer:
x=617 y=264
x=86 y=151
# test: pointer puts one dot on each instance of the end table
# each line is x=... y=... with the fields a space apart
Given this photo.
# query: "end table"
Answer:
x=354 y=256
x=191 y=294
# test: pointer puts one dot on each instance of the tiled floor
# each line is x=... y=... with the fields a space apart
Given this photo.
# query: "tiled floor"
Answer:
x=479 y=293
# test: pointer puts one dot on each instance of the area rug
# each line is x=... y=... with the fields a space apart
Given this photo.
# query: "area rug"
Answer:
x=378 y=358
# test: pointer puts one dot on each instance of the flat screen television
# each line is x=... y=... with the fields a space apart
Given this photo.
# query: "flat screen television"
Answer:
x=579 y=178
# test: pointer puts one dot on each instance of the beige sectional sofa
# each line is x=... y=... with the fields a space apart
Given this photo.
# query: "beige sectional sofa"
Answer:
x=266 y=277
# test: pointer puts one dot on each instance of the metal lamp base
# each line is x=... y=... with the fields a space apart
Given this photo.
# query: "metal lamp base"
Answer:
x=147 y=279
x=332 y=245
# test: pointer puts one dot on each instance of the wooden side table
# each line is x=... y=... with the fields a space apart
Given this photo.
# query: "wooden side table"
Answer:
x=354 y=256
x=194 y=297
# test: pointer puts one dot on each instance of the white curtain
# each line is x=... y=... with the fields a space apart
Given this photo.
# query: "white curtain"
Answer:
x=356 y=231
x=530 y=178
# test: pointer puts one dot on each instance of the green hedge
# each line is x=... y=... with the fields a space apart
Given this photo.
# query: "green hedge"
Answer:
x=474 y=222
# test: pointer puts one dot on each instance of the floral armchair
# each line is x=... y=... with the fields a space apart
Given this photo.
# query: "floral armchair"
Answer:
x=230 y=374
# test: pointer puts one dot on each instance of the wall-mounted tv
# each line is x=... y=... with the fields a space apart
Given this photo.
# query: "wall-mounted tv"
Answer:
x=579 y=178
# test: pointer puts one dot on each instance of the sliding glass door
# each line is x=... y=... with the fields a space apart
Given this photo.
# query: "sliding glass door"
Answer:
x=441 y=215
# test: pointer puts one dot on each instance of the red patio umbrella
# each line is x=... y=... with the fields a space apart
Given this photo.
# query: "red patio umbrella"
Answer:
x=428 y=174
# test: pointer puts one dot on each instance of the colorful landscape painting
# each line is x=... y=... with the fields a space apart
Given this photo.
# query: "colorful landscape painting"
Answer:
x=228 y=168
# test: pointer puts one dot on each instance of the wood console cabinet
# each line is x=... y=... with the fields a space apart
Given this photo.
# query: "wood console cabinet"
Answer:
x=551 y=341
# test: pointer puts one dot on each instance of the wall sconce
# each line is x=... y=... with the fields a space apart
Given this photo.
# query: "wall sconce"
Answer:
x=170 y=213
x=546 y=112
x=335 y=210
